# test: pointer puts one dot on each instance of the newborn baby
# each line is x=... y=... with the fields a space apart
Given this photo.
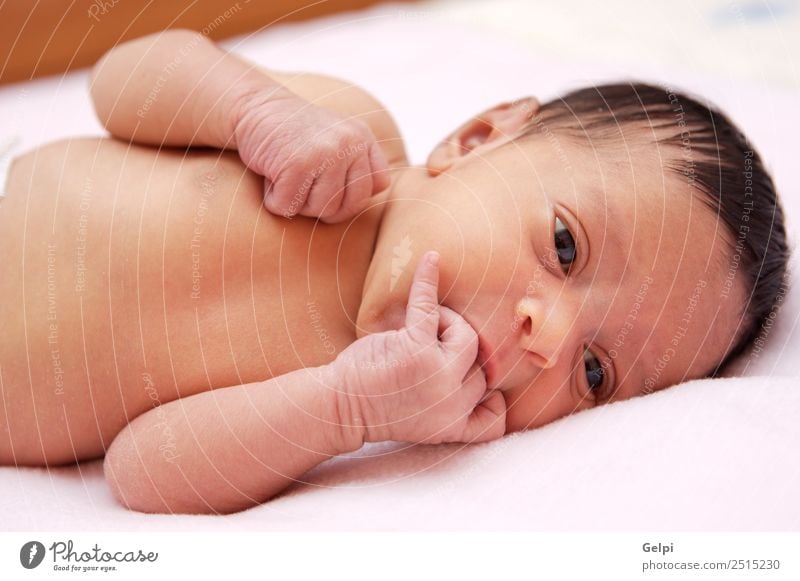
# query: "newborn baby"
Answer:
x=218 y=320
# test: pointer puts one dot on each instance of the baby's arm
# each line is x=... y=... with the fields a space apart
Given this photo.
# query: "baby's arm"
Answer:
x=175 y=88
x=228 y=449
x=324 y=145
x=152 y=73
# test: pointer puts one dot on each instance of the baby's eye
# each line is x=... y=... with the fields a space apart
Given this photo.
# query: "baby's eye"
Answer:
x=565 y=245
x=595 y=374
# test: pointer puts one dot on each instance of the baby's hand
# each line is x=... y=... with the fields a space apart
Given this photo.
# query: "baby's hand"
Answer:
x=315 y=162
x=420 y=383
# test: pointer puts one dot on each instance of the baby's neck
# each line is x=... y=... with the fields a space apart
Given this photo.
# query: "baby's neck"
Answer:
x=377 y=310
x=357 y=236
x=364 y=231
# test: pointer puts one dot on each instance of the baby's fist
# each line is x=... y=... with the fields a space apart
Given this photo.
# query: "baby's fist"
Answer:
x=421 y=383
x=316 y=163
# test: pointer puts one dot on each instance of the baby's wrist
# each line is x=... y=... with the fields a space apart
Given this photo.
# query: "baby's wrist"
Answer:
x=361 y=389
x=252 y=102
x=347 y=425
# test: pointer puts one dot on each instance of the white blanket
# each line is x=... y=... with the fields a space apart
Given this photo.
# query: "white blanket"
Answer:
x=706 y=455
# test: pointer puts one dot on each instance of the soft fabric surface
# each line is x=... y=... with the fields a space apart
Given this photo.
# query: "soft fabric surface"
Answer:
x=706 y=455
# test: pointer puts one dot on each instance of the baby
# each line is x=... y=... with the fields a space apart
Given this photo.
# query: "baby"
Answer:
x=547 y=259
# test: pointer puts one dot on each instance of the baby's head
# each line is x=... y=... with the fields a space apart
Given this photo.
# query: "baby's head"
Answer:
x=604 y=245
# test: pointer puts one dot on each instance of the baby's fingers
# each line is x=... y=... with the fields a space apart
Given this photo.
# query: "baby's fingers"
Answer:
x=327 y=195
x=458 y=337
x=422 y=311
x=287 y=195
x=488 y=420
x=358 y=188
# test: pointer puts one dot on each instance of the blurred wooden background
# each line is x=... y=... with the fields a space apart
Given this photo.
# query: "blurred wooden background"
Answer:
x=47 y=37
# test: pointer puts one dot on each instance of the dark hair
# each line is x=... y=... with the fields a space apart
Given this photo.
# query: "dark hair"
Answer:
x=728 y=173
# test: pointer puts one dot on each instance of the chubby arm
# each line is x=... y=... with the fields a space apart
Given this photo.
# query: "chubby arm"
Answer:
x=178 y=88
x=228 y=449
x=174 y=88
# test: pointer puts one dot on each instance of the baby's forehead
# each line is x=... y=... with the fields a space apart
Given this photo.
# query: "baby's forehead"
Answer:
x=685 y=340
x=660 y=260
x=667 y=325
x=630 y=175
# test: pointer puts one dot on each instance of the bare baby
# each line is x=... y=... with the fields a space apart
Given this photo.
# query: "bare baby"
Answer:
x=248 y=277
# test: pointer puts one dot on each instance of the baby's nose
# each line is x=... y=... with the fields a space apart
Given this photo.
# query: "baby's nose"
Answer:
x=544 y=330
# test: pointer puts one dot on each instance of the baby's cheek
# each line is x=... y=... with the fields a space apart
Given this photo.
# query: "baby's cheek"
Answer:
x=515 y=417
x=532 y=407
x=522 y=411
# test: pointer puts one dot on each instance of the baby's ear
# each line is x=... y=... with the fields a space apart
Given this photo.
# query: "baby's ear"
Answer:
x=491 y=128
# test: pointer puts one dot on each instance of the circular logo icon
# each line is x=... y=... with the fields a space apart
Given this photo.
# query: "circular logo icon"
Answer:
x=31 y=554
